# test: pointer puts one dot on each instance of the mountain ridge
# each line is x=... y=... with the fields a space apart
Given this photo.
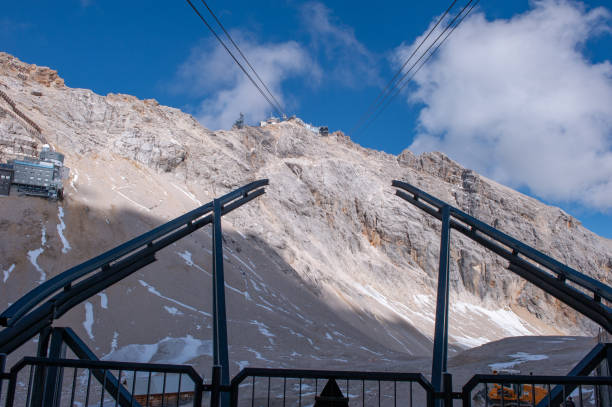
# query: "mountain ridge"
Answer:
x=328 y=221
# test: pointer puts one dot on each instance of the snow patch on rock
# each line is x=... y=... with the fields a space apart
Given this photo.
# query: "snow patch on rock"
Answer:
x=170 y=350
x=74 y=179
x=8 y=272
x=103 y=300
x=89 y=319
x=519 y=357
x=186 y=255
x=60 y=230
x=505 y=318
x=264 y=330
x=33 y=255
x=187 y=194
x=154 y=291
x=172 y=310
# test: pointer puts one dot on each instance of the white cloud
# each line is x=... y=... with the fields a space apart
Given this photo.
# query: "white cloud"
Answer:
x=347 y=60
x=519 y=101
x=211 y=73
x=9 y=27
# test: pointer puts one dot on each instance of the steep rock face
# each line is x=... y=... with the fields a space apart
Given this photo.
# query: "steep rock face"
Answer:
x=329 y=219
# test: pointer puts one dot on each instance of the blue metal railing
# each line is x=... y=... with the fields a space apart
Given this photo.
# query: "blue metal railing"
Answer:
x=35 y=310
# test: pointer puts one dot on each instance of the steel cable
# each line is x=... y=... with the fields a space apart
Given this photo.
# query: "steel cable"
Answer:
x=278 y=105
x=374 y=105
x=403 y=85
x=234 y=57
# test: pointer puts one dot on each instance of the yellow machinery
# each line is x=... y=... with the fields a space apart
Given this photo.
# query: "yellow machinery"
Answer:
x=515 y=395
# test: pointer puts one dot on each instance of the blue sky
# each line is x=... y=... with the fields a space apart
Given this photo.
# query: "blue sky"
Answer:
x=522 y=91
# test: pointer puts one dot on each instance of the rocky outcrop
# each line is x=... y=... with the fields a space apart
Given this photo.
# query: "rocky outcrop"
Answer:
x=30 y=72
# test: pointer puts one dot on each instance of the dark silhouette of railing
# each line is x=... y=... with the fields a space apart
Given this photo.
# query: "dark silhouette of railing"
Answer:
x=509 y=384
x=37 y=309
x=125 y=393
x=360 y=388
x=34 y=313
x=585 y=294
x=547 y=273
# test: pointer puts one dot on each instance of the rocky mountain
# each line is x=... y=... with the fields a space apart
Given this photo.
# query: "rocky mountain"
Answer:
x=328 y=268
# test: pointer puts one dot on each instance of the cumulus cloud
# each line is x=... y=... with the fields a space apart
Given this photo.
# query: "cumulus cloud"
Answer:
x=348 y=61
x=519 y=101
x=211 y=73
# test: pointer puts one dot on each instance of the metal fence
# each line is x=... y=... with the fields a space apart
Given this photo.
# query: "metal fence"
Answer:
x=74 y=382
x=537 y=391
x=37 y=382
x=286 y=387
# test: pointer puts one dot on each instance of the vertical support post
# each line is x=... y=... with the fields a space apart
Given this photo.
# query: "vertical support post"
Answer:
x=43 y=342
x=54 y=378
x=220 y=347
x=234 y=396
x=447 y=387
x=607 y=390
x=197 y=397
x=216 y=382
x=609 y=358
x=2 y=366
x=440 y=349
x=39 y=372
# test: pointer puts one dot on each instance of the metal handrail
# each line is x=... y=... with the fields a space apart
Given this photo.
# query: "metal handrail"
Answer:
x=109 y=365
x=106 y=367
x=532 y=379
x=64 y=280
x=553 y=282
x=128 y=258
x=330 y=374
x=550 y=400
x=519 y=247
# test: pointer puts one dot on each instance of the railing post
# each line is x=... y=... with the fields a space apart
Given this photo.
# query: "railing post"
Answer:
x=466 y=397
x=607 y=390
x=216 y=382
x=39 y=372
x=234 y=395
x=220 y=347
x=2 y=366
x=440 y=349
x=609 y=358
x=447 y=388
x=431 y=399
x=197 y=397
x=54 y=377
x=10 y=394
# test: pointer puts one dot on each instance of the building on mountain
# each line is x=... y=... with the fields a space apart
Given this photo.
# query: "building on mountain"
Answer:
x=37 y=177
x=271 y=120
x=6 y=178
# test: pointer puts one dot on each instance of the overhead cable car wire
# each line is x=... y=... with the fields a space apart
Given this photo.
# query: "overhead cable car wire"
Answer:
x=436 y=49
x=375 y=104
x=422 y=64
x=387 y=98
x=451 y=26
x=234 y=57
x=227 y=34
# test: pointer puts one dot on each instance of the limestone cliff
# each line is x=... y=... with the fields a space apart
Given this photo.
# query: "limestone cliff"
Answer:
x=329 y=222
